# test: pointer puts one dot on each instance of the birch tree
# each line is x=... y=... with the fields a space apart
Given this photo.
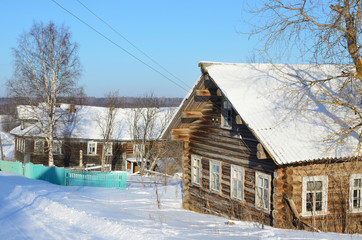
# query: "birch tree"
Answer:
x=316 y=32
x=146 y=124
x=106 y=122
x=46 y=68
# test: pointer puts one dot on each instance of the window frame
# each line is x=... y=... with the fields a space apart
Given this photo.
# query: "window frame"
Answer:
x=212 y=176
x=194 y=166
x=57 y=147
x=351 y=189
x=324 y=211
x=226 y=112
x=39 y=149
x=259 y=199
x=95 y=148
x=235 y=168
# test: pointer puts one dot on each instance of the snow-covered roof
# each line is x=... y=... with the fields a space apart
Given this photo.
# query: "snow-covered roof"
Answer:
x=25 y=112
x=86 y=124
x=258 y=93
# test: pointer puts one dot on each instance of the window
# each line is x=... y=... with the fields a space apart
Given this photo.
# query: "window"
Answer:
x=92 y=148
x=262 y=191
x=39 y=146
x=215 y=170
x=314 y=199
x=227 y=112
x=57 y=147
x=195 y=169
x=108 y=149
x=355 y=193
x=237 y=182
x=20 y=144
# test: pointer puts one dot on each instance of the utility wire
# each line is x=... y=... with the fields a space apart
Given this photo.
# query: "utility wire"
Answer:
x=133 y=45
x=218 y=107
x=120 y=47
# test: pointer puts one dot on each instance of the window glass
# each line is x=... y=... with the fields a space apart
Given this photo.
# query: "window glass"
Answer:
x=92 y=148
x=314 y=195
x=262 y=197
x=356 y=192
x=195 y=169
x=215 y=175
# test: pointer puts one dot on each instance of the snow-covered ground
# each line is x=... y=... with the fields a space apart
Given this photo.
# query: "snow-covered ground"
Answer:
x=8 y=143
x=33 y=209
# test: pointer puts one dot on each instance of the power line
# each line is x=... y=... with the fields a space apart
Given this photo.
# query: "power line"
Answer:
x=117 y=45
x=133 y=45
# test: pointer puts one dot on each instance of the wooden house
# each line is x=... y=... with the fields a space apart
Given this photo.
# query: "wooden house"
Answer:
x=78 y=139
x=249 y=156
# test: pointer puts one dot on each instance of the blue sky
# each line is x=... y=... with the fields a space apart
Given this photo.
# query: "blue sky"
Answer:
x=177 y=34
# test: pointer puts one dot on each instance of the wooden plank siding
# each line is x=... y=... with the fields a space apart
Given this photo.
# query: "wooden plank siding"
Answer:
x=207 y=139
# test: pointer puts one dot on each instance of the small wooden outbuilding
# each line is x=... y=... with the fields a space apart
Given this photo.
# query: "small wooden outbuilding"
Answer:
x=249 y=156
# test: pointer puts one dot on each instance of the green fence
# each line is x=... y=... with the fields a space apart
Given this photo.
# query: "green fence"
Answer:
x=53 y=175
x=96 y=179
x=67 y=177
x=14 y=167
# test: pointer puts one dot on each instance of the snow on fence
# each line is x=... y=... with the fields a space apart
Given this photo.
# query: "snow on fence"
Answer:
x=67 y=177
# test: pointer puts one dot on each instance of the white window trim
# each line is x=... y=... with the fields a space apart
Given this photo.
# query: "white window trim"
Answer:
x=351 y=188
x=110 y=153
x=95 y=148
x=41 y=149
x=59 y=142
x=213 y=162
x=193 y=172
x=242 y=170
x=257 y=197
x=223 y=109
x=324 y=211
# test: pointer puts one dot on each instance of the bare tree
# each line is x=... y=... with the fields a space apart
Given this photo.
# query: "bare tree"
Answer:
x=322 y=32
x=146 y=124
x=106 y=122
x=46 y=69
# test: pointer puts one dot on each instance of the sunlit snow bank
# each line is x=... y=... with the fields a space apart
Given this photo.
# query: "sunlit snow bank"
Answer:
x=32 y=209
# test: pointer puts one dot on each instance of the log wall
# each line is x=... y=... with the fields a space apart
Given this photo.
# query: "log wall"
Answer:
x=70 y=154
x=288 y=183
x=237 y=146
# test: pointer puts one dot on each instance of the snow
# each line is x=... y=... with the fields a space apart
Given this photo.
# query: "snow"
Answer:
x=8 y=143
x=86 y=124
x=258 y=93
x=34 y=209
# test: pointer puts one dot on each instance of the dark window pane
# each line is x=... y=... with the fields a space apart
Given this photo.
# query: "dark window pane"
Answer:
x=309 y=206
x=318 y=196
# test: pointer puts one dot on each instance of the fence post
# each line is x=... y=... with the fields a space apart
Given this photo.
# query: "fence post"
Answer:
x=2 y=153
x=81 y=159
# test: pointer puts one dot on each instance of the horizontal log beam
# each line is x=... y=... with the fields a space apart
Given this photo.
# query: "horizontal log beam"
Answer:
x=180 y=131
x=189 y=120
x=203 y=92
x=192 y=114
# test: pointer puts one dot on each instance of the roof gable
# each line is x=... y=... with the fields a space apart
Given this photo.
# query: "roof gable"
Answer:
x=257 y=92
